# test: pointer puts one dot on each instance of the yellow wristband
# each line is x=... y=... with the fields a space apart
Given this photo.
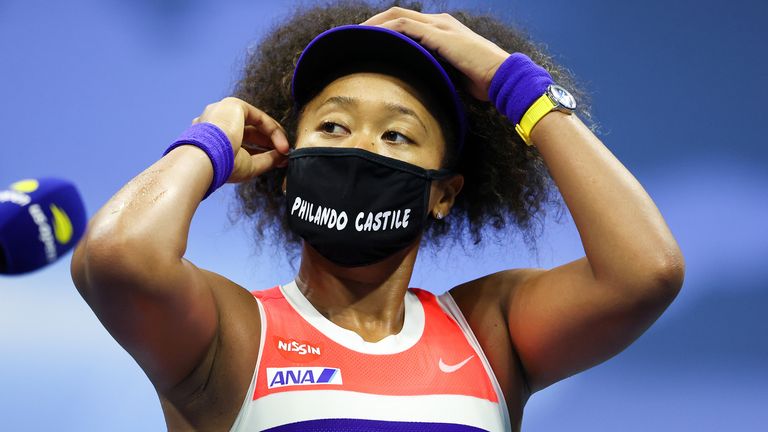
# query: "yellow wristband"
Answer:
x=539 y=109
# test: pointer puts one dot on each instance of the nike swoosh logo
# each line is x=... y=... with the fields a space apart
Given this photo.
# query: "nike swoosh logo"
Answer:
x=453 y=368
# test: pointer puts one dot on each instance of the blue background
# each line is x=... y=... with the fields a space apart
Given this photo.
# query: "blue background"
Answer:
x=93 y=91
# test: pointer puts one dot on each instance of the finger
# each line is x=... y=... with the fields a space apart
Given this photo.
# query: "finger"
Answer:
x=265 y=124
x=250 y=166
x=395 y=13
x=256 y=142
x=280 y=140
x=263 y=162
x=416 y=30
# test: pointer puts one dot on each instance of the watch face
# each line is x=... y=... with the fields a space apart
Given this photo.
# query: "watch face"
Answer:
x=562 y=96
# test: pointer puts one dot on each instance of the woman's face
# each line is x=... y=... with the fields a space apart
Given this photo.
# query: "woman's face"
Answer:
x=375 y=112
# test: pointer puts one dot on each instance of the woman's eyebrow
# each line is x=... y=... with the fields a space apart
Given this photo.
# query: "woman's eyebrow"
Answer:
x=399 y=109
x=350 y=102
x=344 y=101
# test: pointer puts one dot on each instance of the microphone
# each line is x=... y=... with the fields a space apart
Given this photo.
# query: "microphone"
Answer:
x=40 y=220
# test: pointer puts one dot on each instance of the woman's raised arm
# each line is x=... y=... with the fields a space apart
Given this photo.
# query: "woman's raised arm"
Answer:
x=566 y=319
x=130 y=267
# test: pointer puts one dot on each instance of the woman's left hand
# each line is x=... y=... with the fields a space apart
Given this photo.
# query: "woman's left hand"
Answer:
x=471 y=54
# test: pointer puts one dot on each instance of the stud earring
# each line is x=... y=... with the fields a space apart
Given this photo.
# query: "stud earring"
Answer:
x=439 y=215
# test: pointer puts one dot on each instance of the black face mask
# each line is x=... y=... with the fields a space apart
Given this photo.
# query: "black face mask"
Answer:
x=354 y=206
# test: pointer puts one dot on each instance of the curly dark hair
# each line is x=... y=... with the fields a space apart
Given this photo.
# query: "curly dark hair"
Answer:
x=506 y=182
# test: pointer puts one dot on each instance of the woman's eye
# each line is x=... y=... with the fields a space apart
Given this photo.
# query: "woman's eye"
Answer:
x=332 y=128
x=396 y=137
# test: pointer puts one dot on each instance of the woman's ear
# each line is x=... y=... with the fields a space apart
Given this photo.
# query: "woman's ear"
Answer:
x=446 y=192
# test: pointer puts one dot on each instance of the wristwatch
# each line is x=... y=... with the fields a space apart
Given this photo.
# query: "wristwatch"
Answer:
x=556 y=98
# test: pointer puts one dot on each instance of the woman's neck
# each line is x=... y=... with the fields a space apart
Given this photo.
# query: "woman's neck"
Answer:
x=368 y=300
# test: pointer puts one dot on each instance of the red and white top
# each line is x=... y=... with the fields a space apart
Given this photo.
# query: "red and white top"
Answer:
x=312 y=375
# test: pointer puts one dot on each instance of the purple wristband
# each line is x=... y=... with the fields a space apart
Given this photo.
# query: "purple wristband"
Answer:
x=517 y=84
x=214 y=142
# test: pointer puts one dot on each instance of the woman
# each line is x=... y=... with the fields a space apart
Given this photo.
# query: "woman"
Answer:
x=383 y=145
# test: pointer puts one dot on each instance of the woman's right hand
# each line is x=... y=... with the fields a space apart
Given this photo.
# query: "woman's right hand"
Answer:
x=258 y=141
x=131 y=270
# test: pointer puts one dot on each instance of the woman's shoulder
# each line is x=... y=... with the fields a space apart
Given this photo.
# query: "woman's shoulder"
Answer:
x=483 y=303
x=492 y=288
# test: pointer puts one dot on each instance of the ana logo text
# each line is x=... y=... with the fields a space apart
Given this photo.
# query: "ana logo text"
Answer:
x=301 y=376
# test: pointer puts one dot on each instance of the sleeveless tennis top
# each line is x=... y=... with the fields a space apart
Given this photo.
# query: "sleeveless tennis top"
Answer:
x=314 y=376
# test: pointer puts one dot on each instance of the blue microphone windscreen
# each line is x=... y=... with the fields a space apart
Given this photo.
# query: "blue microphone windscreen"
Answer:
x=40 y=220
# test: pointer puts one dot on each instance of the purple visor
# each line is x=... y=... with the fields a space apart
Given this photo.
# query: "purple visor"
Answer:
x=356 y=48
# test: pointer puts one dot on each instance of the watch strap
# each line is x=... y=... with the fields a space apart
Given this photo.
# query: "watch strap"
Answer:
x=539 y=109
